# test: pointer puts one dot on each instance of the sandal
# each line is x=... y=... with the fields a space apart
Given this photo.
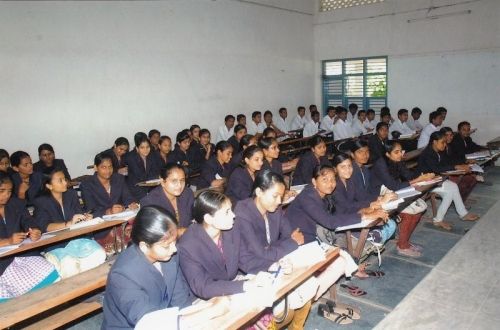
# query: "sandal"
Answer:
x=353 y=290
x=470 y=217
x=340 y=308
x=442 y=224
x=375 y=273
x=342 y=319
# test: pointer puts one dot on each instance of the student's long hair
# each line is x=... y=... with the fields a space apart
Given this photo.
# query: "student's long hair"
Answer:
x=17 y=157
x=393 y=167
x=47 y=178
x=208 y=202
x=139 y=138
x=245 y=141
x=437 y=135
x=339 y=158
x=121 y=141
x=315 y=141
x=152 y=225
x=321 y=170
x=265 y=179
x=248 y=153
x=166 y=170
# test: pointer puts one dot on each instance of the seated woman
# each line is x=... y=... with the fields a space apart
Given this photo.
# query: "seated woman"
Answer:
x=58 y=207
x=146 y=277
x=141 y=165
x=214 y=171
x=239 y=132
x=208 y=147
x=390 y=171
x=172 y=195
x=245 y=142
x=106 y=192
x=310 y=160
x=196 y=153
x=27 y=183
x=117 y=153
x=163 y=152
x=271 y=151
x=361 y=175
x=154 y=138
x=5 y=162
x=240 y=182
x=48 y=161
x=430 y=161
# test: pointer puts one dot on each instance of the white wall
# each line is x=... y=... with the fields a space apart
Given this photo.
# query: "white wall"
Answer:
x=450 y=61
x=79 y=74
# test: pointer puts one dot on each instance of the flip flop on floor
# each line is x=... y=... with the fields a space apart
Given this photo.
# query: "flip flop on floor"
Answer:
x=340 y=308
x=342 y=319
x=353 y=290
x=375 y=273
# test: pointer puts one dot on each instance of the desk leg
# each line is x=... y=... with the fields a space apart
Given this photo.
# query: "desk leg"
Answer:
x=115 y=241
x=348 y=239
x=124 y=225
x=361 y=242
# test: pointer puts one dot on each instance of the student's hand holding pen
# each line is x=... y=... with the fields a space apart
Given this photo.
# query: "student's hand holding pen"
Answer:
x=17 y=238
x=117 y=208
x=297 y=236
x=34 y=234
x=79 y=218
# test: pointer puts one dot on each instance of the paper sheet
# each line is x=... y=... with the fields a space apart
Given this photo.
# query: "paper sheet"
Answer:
x=476 y=168
x=479 y=154
x=87 y=223
x=407 y=192
x=306 y=255
x=125 y=215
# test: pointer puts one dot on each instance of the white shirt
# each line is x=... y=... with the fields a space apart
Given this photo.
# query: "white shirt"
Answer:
x=371 y=124
x=298 y=123
x=281 y=124
x=223 y=134
x=358 y=128
x=310 y=129
x=253 y=128
x=414 y=124
x=425 y=135
x=350 y=117
x=327 y=123
x=342 y=130
x=401 y=128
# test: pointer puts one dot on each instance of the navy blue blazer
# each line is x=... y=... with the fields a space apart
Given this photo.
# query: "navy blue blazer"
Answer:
x=462 y=146
x=377 y=147
x=256 y=254
x=209 y=272
x=117 y=164
x=240 y=185
x=185 y=202
x=195 y=156
x=347 y=199
x=275 y=166
x=48 y=210
x=135 y=287
x=35 y=188
x=137 y=173
x=177 y=156
x=433 y=162
x=308 y=210
x=96 y=198
x=209 y=170
x=58 y=164
x=160 y=162
x=382 y=176
x=305 y=168
x=235 y=162
x=235 y=143
x=361 y=177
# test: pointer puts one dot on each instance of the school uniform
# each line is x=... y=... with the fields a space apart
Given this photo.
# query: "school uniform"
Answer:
x=376 y=147
x=210 y=169
x=235 y=143
x=210 y=269
x=48 y=210
x=399 y=126
x=350 y=117
x=234 y=163
x=466 y=182
x=425 y=135
x=185 y=202
x=414 y=124
x=195 y=157
x=240 y=185
x=58 y=164
x=275 y=166
x=305 y=167
x=281 y=124
x=97 y=200
x=361 y=178
x=371 y=124
x=117 y=163
x=358 y=128
x=308 y=210
x=311 y=128
x=35 y=186
x=327 y=123
x=431 y=161
x=342 y=130
x=223 y=134
x=298 y=123
x=177 y=156
x=381 y=176
x=261 y=244
x=136 y=287
x=347 y=199
x=159 y=160
x=254 y=128
x=140 y=172
x=463 y=146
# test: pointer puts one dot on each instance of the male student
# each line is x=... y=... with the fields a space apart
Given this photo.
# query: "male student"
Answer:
x=327 y=121
x=241 y=119
x=255 y=126
x=342 y=128
x=370 y=122
x=413 y=122
x=435 y=121
x=312 y=108
x=399 y=125
x=351 y=115
x=385 y=115
x=280 y=122
x=358 y=127
x=226 y=131
x=300 y=120
x=312 y=127
x=443 y=112
x=462 y=143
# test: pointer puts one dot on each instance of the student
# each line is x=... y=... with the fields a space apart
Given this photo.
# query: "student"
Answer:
x=179 y=156
x=271 y=151
x=255 y=126
x=172 y=195
x=206 y=144
x=225 y=131
x=430 y=162
x=241 y=119
x=146 y=277
x=239 y=132
x=117 y=152
x=312 y=108
x=385 y=115
x=163 y=152
x=58 y=207
x=399 y=125
x=351 y=115
x=358 y=126
x=268 y=122
x=27 y=183
x=342 y=128
x=269 y=132
x=106 y=192
x=300 y=120
x=377 y=142
x=245 y=142
x=435 y=121
x=312 y=127
x=371 y=122
x=48 y=161
x=361 y=175
x=328 y=120
x=413 y=122
x=214 y=171
x=280 y=122
x=309 y=160
x=443 y=112
x=154 y=138
x=141 y=164
x=194 y=133
x=462 y=143
x=5 y=162
x=241 y=181
x=196 y=153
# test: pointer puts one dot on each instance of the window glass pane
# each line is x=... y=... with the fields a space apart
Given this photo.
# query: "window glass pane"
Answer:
x=333 y=68
x=354 y=86
x=354 y=66
x=326 y=5
x=376 y=65
x=376 y=86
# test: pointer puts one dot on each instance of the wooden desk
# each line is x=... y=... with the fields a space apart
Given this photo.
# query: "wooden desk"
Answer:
x=412 y=154
x=237 y=319
x=494 y=144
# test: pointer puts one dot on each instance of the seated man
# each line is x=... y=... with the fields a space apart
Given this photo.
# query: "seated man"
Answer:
x=462 y=143
x=342 y=128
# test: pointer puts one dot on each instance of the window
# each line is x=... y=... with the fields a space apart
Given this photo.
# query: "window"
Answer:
x=327 y=5
x=361 y=80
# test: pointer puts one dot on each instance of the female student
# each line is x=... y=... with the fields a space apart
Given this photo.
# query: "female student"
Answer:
x=154 y=138
x=179 y=155
x=48 y=161
x=141 y=165
x=239 y=132
x=208 y=147
x=117 y=153
x=214 y=171
x=106 y=192
x=27 y=183
x=5 y=162
x=311 y=159
x=241 y=181
x=146 y=277
x=58 y=207
x=245 y=142
x=361 y=175
x=196 y=152
x=172 y=195
x=163 y=152
x=271 y=151
x=430 y=161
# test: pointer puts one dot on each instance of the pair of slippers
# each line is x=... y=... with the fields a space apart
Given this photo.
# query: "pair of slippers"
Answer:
x=372 y=273
x=338 y=313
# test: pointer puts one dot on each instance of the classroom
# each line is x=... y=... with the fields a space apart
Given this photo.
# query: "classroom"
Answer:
x=249 y=164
